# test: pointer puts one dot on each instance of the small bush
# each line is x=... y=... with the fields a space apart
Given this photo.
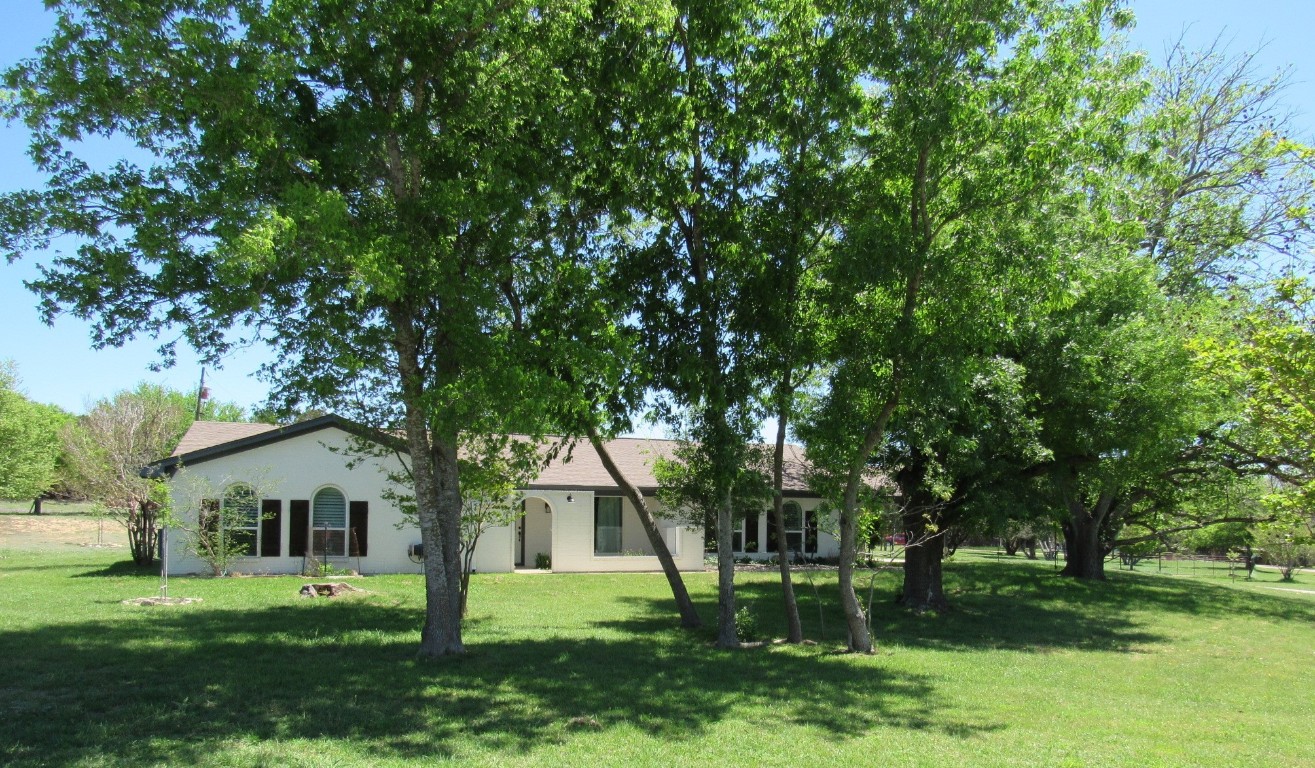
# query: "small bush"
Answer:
x=746 y=624
x=318 y=568
x=543 y=561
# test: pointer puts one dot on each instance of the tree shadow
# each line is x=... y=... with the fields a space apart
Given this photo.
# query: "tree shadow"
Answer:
x=173 y=685
x=167 y=685
x=1004 y=606
x=28 y=564
x=1123 y=591
x=120 y=568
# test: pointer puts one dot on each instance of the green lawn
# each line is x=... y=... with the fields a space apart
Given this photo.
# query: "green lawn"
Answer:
x=24 y=506
x=1029 y=669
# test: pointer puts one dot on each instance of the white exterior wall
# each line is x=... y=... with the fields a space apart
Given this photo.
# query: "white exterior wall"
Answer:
x=295 y=468
x=493 y=553
x=573 y=539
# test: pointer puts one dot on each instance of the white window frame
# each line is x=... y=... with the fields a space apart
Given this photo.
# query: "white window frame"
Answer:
x=620 y=512
x=320 y=546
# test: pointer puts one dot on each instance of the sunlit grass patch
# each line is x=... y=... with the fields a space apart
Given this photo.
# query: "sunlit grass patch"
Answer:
x=1027 y=669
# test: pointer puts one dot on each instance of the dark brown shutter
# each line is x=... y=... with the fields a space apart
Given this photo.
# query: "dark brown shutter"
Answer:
x=298 y=526
x=810 y=532
x=360 y=523
x=271 y=525
x=751 y=542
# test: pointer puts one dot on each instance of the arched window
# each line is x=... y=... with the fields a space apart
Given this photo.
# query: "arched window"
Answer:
x=240 y=521
x=329 y=522
x=800 y=529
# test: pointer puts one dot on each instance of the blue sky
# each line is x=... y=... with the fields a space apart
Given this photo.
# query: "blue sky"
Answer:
x=57 y=364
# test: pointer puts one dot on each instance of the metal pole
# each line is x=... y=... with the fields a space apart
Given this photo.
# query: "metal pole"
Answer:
x=200 y=394
x=164 y=562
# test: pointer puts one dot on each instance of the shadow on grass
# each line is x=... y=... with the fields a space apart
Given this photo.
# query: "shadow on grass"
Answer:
x=122 y=568
x=167 y=686
x=179 y=685
x=1013 y=607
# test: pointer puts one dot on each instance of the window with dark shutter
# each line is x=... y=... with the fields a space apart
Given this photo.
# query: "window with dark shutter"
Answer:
x=210 y=516
x=271 y=527
x=360 y=522
x=298 y=527
x=241 y=519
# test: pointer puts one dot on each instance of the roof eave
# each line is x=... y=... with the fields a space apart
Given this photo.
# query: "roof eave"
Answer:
x=168 y=466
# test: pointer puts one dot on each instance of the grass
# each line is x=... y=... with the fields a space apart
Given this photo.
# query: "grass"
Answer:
x=1029 y=669
x=24 y=506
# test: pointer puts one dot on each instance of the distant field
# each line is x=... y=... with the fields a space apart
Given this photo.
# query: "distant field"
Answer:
x=61 y=525
x=24 y=506
x=1029 y=669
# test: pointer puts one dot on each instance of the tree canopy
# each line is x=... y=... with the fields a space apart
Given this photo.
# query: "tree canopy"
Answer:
x=29 y=440
x=988 y=245
x=107 y=448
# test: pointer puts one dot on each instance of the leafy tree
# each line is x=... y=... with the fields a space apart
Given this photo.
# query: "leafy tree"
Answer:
x=961 y=448
x=491 y=497
x=1213 y=192
x=1269 y=363
x=795 y=224
x=218 y=520
x=686 y=489
x=701 y=125
x=1120 y=406
x=29 y=440
x=107 y=448
x=371 y=188
x=1288 y=544
x=1219 y=539
x=975 y=114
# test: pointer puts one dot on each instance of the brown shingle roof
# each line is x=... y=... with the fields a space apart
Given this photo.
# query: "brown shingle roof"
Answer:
x=635 y=457
x=206 y=434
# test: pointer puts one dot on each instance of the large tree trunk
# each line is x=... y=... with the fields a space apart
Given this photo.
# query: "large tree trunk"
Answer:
x=436 y=482
x=794 y=628
x=726 y=634
x=925 y=552
x=141 y=533
x=449 y=525
x=689 y=617
x=441 y=635
x=924 y=588
x=1084 y=554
